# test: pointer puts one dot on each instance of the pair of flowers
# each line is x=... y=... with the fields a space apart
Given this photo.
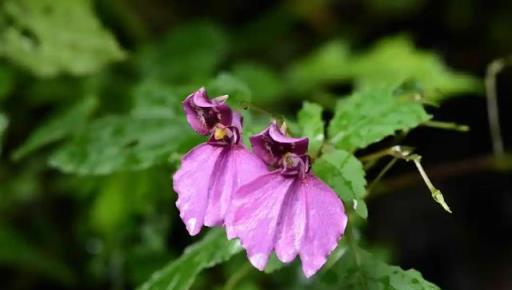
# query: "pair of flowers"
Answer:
x=221 y=183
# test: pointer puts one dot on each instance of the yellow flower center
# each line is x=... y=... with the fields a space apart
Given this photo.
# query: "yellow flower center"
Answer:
x=220 y=133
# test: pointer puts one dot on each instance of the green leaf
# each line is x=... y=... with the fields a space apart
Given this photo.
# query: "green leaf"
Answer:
x=361 y=270
x=371 y=114
x=113 y=207
x=392 y=60
x=227 y=84
x=396 y=59
x=115 y=143
x=180 y=274
x=16 y=251
x=264 y=83
x=312 y=126
x=7 y=77
x=156 y=99
x=191 y=52
x=327 y=64
x=273 y=264
x=3 y=126
x=49 y=37
x=345 y=174
x=62 y=125
x=359 y=205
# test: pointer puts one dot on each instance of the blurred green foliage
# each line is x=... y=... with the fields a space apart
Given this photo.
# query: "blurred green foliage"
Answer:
x=3 y=126
x=390 y=61
x=51 y=37
x=93 y=94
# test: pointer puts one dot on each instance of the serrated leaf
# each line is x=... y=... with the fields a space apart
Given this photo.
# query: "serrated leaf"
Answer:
x=396 y=59
x=312 y=126
x=365 y=272
x=180 y=274
x=62 y=125
x=345 y=174
x=115 y=143
x=371 y=114
x=191 y=52
x=50 y=37
x=3 y=126
x=264 y=83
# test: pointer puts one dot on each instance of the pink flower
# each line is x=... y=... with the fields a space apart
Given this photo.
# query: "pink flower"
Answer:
x=288 y=210
x=211 y=172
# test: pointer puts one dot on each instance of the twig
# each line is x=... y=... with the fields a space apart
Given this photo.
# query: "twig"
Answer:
x=381 y=174
x=405 y=153
x=436 y=193
x=493 y=69
x=447 y=126
x=446 y=170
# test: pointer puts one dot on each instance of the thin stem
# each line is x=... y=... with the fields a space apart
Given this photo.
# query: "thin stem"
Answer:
x=258 y=109
x=397 y=151
x=493 y=69
x=436 y=193
x=405 y=153
x=447 y=126
x=447 y=170
x=381 y=174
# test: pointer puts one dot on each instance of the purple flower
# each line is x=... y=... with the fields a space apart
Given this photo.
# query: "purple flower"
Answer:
x=211 y=172
x=288 y=210
x=204 y=114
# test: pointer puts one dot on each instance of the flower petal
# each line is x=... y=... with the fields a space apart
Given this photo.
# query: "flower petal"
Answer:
x=203 y=114
x=292 y=225
x=325 y=223
x=271 y=144
x=206 y=180
x=289 y=214
x=238 y=166
x=254 y=214
x=192 y=181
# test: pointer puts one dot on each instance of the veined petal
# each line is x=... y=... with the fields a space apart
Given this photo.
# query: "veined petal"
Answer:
x=206 y=180
x=325 y=223
x=192 y=181
x=254 y=214
x=237 y=167
x=290 y=215
x=292 y=225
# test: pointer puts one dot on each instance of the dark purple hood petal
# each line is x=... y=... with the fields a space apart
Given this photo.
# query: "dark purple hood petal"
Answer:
x=228 y=135
x=271 y=145
x=203 y=114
